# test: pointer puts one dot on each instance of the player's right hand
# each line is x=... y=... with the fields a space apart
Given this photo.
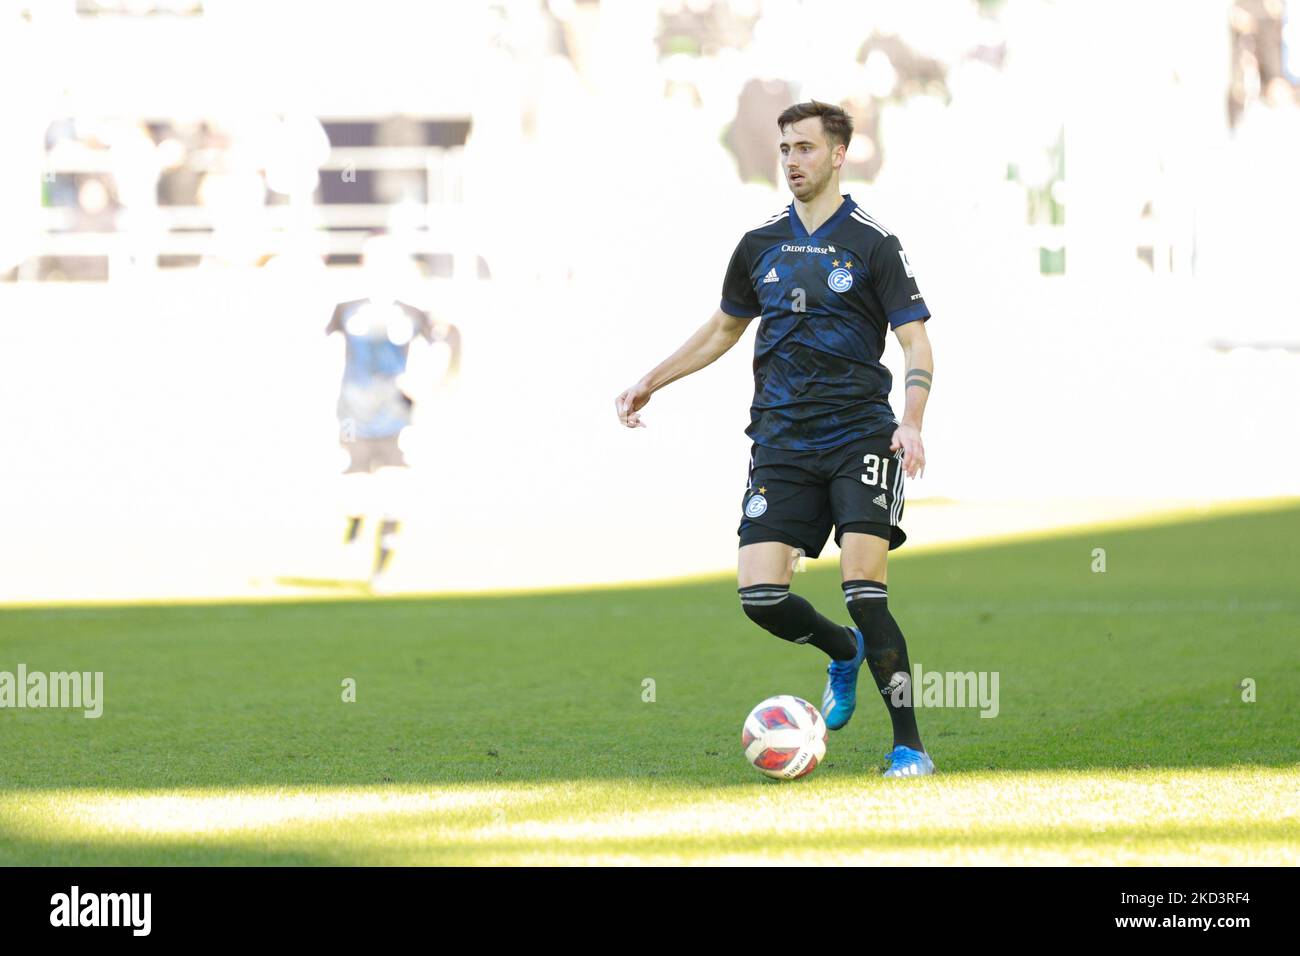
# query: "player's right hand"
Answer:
x=629 y=404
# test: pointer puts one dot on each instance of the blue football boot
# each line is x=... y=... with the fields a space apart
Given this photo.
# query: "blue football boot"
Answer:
x=906 y=762
x=841 y=696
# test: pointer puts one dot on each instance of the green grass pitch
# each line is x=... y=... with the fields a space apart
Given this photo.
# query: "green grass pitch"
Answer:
x=512 y=728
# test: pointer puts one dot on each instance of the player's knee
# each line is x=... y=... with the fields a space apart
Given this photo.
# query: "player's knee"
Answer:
x=862 y=572
x=863 y=554
x=765 y=562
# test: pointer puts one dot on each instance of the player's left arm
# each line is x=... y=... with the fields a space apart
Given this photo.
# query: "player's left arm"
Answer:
x=433 y=359
x=907 y=314
x=918 y=359
x=448 y=338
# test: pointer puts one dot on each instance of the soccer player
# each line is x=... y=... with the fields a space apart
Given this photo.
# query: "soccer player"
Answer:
x=828 y=281
x=375 y=396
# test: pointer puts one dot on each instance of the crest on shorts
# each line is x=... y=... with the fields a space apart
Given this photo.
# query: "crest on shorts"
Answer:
x=756 y=505
x=841 y=280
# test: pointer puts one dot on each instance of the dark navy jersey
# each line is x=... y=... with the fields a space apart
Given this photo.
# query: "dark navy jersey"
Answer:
x=827 y=301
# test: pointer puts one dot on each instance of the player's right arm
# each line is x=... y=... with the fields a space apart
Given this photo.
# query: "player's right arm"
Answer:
x=709 y=341
x=725 y=327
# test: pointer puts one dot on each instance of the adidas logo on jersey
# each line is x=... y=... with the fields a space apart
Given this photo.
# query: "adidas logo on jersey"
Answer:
x=771 y=276
x=879 y=500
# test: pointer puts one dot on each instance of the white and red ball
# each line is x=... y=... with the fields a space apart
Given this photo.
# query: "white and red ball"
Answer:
x=784 y=737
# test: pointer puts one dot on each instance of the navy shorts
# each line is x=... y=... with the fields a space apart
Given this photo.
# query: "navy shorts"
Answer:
x=797 y=497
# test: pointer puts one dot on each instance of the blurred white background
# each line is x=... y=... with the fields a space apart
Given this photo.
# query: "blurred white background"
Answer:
x=1101 y=201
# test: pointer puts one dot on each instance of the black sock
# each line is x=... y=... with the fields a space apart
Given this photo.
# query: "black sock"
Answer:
x=354 y=527
x=384 y=550
x=791 y=618
x=868 y=605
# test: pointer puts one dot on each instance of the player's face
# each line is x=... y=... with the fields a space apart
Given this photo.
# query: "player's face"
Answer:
x=807 y=159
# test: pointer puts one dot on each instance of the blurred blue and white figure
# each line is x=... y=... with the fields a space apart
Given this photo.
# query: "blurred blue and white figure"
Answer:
x=378 y=393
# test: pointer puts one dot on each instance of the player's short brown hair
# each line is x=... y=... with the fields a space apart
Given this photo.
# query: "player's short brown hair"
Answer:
x=836 y=123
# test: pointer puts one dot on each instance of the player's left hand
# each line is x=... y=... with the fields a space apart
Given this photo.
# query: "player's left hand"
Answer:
x=908 y=438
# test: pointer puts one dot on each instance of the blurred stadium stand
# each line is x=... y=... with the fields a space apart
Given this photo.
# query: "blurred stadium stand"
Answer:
x=1100 y=199
x=179 y=131
x=369 y=179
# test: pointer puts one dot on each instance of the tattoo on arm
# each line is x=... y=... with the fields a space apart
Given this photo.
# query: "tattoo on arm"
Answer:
x=919 y=377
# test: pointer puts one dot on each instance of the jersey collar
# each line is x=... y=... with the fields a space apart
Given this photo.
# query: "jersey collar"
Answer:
x=846 y=207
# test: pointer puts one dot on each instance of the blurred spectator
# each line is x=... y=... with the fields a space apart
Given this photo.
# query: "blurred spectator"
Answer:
x=1255 y=27
x=752 y=136
x=704 y=28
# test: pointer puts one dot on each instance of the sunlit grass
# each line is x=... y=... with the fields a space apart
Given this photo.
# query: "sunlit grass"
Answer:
x=1148 y=817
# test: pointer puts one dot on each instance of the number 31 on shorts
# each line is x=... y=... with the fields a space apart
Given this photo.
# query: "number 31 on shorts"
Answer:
x=877 y=471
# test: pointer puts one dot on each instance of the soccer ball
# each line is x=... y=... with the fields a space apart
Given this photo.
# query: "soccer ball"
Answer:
x=784 y=737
